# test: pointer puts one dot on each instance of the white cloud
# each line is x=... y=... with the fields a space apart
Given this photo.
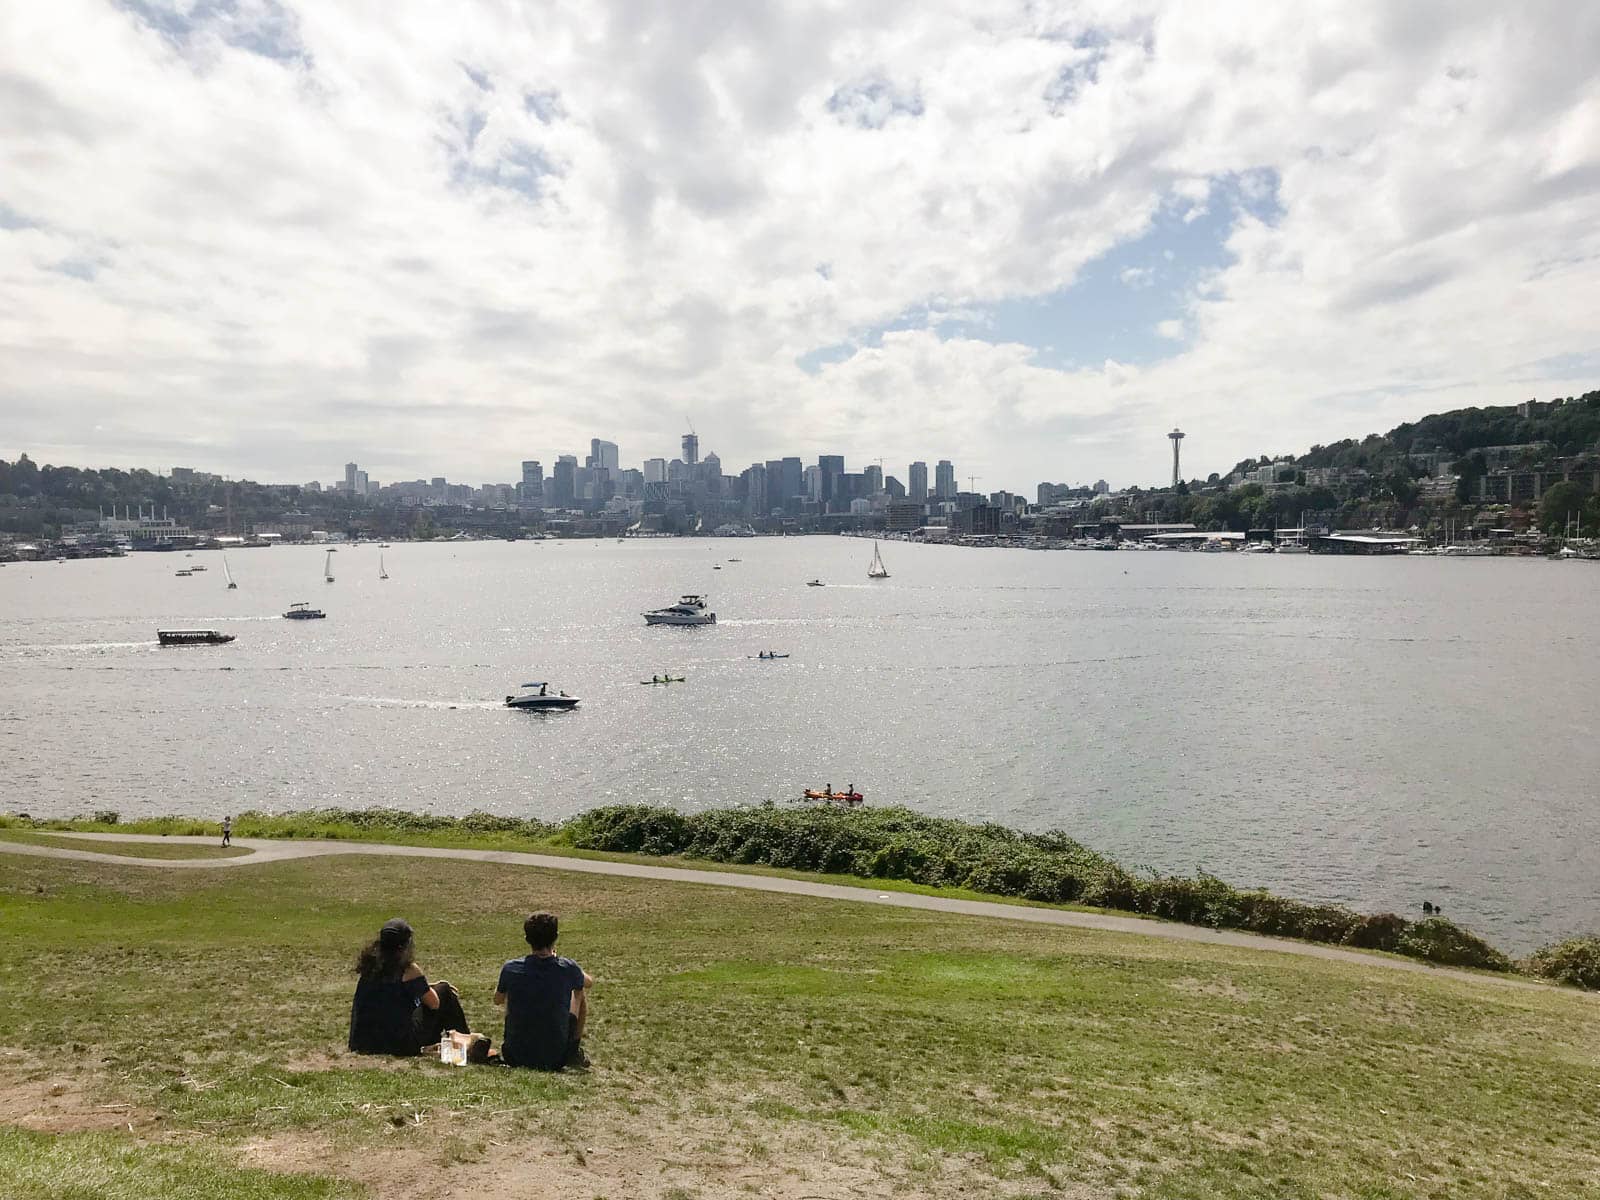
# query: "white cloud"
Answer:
x=440 y=240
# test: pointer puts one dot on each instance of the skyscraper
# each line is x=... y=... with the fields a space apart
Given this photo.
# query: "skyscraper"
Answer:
x=944 y=479
x=603 y=455
x=691 y=449
x=350 y=470
x=655 y=470
x=917 y=489
x=793 y=482
x=829 y=468
x=872 y=479
x=532 y=478
x=563 y=481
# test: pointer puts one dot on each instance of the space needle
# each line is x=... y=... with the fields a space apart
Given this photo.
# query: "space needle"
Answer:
x=1177 y=441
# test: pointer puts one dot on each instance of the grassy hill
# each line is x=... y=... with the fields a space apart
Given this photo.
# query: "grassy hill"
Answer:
x=179 y=1033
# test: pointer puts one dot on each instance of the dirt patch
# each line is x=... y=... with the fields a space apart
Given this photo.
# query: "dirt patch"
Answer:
x=651 y=1157
x=1221 y=986
x=63 y=1105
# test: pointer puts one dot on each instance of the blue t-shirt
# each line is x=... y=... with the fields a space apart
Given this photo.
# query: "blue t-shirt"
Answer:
x=538 y=991
x=382 y=1015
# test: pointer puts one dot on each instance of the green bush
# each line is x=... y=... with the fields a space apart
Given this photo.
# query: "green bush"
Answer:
x=1575 y=962
x=1440 y=941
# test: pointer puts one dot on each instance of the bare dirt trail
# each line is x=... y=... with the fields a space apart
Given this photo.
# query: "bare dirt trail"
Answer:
x=268 y=850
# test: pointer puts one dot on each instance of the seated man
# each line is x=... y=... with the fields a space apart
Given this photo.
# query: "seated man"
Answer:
x=545 y=998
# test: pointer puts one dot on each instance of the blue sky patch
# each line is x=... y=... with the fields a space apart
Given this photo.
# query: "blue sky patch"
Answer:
x=873 y=103
x=1129 y=304
x=267 y=28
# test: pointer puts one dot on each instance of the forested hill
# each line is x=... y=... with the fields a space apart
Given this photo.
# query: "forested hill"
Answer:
x=1570 y=428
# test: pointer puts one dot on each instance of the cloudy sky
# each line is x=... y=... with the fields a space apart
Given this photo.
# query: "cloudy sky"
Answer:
x=263 y=238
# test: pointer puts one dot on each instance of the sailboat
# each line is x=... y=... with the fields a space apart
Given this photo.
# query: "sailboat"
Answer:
x=382 y=574
x=232 y=586
x=877 y=570
x=327 y=567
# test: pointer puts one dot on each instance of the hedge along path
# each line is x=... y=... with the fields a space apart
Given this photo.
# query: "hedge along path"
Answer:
x=268 y=850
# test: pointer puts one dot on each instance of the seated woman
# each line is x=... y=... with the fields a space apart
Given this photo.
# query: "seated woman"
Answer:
x=395 y=1009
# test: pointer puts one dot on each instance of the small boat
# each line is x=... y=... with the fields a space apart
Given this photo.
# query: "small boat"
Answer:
x=876 y=569
x=716 y=568
x=663 y=679
x=382 y=574
x=689 y=610
x=538 y=696
x=815 y=583
x=848 y=799
x=383 y=545
x=197 y=567
x=192 y=637
x=303 y=612
x=768 y=657
x=183 y=574
x=232 y=586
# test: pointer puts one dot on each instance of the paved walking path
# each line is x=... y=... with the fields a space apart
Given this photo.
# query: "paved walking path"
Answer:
x=266 y=850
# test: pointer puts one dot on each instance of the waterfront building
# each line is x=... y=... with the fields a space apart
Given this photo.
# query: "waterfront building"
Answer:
x=917 y=488
x=903 y=515
x=945 y=480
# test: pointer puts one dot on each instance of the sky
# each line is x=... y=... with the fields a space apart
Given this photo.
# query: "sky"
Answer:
x=265 y=238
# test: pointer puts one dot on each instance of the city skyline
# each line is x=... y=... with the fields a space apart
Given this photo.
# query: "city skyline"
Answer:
x=1031 y=238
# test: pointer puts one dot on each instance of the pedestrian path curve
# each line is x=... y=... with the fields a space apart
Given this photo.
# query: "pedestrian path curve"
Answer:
x=270 y=850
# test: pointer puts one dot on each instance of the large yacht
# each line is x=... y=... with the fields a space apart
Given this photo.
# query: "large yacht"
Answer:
x=689 y=610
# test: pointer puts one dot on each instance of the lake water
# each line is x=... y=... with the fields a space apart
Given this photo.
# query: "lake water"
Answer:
x=1371 y=731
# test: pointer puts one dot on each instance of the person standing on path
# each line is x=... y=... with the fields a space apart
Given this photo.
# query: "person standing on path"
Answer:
x=546 y=1001
x=227 y=830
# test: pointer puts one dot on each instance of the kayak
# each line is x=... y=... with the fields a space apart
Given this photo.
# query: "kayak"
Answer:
x=669 y=679
x=771 y=656
x=850 y=798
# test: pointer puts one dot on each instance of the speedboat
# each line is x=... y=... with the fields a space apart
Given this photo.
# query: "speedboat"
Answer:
x=538 y=695
x=689 y=610
x=303 y=612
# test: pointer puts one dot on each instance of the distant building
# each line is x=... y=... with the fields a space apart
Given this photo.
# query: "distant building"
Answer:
x=1101 y=487
x=603 y=455
x=904 y=514
x=655 y=470
x=532 y=481
x=350 y=470
x=691 y=449
x=917 y=488
x=945 y=480
x=872 y=479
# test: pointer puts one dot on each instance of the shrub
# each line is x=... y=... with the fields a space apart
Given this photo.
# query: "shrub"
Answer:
x=1437 y=940
x=106 y=816
x=1575 y=961
x=1380 y=931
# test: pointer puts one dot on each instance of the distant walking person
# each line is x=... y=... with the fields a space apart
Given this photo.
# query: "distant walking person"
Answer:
x=227 y=831
x=546 y=1001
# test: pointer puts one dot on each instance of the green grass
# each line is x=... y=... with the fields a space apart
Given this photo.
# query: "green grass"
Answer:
x=1127 y=1065
x=101 y=1167
x=167 y=850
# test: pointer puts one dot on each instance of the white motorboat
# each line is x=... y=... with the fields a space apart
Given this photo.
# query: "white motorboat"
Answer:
x=689 y=610
x=302 y=611
x=1293 y=548
x=539 y=695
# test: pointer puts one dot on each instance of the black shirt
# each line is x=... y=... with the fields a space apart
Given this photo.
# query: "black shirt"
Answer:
x=538 y=991
x=383 y=1015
